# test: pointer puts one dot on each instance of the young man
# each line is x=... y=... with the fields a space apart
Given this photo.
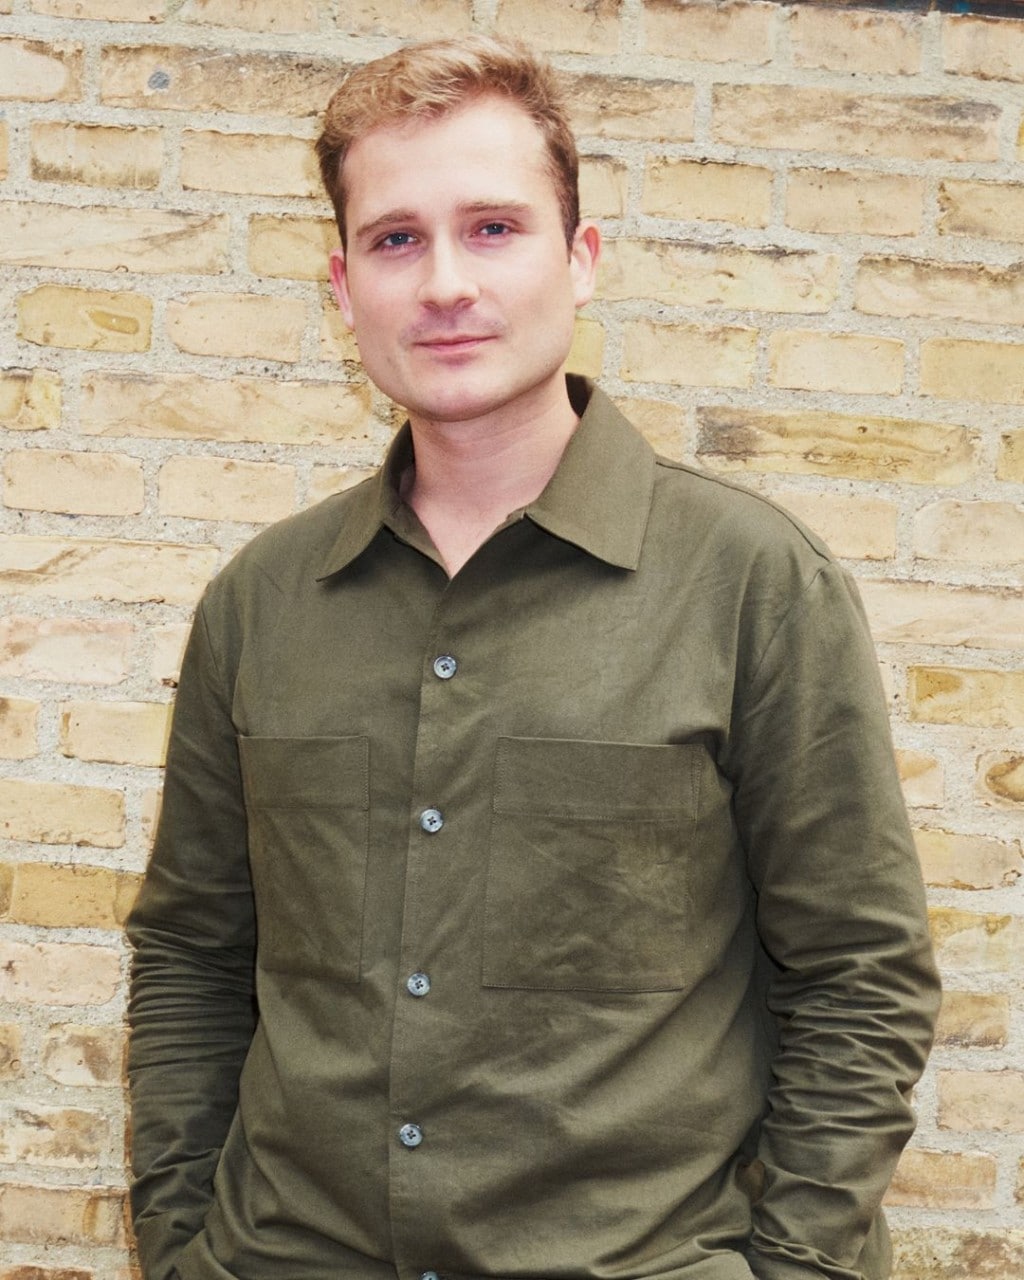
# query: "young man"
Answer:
x=533 y=895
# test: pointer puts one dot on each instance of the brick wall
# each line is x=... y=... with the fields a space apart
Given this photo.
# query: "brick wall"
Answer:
x=813 y=282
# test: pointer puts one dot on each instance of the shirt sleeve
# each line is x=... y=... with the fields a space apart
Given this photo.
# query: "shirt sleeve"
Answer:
x=841 y=915
x=191 y=1009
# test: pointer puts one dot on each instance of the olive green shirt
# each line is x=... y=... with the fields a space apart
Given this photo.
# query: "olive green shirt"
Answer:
x=557 y=920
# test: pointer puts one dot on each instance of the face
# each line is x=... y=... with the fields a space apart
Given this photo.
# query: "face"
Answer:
x=457 y=279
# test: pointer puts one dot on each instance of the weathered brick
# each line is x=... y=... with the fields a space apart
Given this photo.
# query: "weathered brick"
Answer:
x=604 y=184
x=951 y=695
x=955 y=860
x=237 y=324
x=836 y=444
x=62 y=1215
x=115 y=732
x=434 y=18
x=73 y=896
x=18 y=717
x=970 y=532
x=943 y=1180
x=102 y=10
x=859 y=363
x=973 y=1020
x=30 y=400
x=621 y=107
x=922 y=779
x=105 y=484
x=836 y=201
x=104 y=569
x=337 y=341
x=1001 y=779
x=112 y=239
x=291 y=246
x=695 y=190
x=253 y=15
x=72 y=650
x=261 y=164
x=994 y=210
x=60 y=813
x=40 y=71
x=984 y=943
x=703 y=31
x=940 y=290
x=574 y=26
x=981 y=1100
x=31 y=1272
x=941 y=1253
x=328 y=480
x=10 y=1051
x=856 y=41
x=96 y=155
x=179 y=78
x=60 y=973
x=87 y=319
x=689 y=355
x=168 y=646
x=666 y=427
x=1010 y=464
x=149 y=814
x=226 y=489
x=84 y=1056
x=261 y=410
x=797 y=118
x=4 y=149
x=60 y=1137
x=586 y=355
x=964 y=369
x=989 y=48
x=702 y=275
x=857 y=528
x=932 y=613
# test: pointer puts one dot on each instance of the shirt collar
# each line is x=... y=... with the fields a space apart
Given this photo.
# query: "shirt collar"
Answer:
x=599 y=498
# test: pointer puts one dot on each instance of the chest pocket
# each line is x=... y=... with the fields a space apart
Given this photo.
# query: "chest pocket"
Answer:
x=307 y=802
x=591 y=865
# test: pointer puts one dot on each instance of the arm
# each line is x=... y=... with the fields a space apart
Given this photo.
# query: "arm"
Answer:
x=841 y=916
x=191 y=1009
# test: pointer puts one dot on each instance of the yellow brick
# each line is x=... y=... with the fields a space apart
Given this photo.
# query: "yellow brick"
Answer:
x=10 y=1051
x=962 y=369
x=954 y=290
x=4 y=149
x=856 y=41
x=87 y=319
x=938 y=1253
x=931 y=613
x=329 y=480
x=991 y=209
x=260 y=410
x=249 y=163
x=67 y=650
x=835 y=201
x=291 y=246
x=337 y=341
x=921 y=778
x=710 y=31
x=708 y=192
x=96 y=155
x=943 y=1180
x=666 y=427
x=150 y=813
x=62 y=1215
x=797 y=118
x=859 y=363
x=57 y=1137
x=970 y=532
x=687 y=355
x=1000 y=779
x=954 y=860
x=604 y=184
x=809 y=443
x=985 y=943
x=18 y=719
x=587 y=353
x=54 y=813
x=989 y=48
x=225 y=489
x=75 y=897
x=116 y=732
x=168 y=645
x=40 y=71
x=641 y=110
x=252 y=15
x=84 y=1056
x=113 y=239
x=1010 y=465
x=956 y=695
x=973 y=1020
x=30 y=400
x=981 y=1100
x=237 y=324
x=104 y=569
x=434 y=18
x=102 y=10
x=857 y=528
x=573 y=26
x=102 y=484
x=179 y=78
x=701 y=275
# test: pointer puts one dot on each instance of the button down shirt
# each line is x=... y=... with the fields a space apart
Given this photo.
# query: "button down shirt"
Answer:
x=558 y=919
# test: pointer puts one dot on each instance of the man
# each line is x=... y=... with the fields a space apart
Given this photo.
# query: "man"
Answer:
x=533 y=895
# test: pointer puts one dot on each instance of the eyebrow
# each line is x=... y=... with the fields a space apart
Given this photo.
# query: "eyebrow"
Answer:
x=392 y=217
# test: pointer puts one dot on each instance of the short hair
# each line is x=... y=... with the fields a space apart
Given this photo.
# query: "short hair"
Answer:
x=428 y=80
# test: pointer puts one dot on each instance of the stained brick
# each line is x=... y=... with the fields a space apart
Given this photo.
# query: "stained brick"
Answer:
x=62 y=1215
x=976 y=942
x=60 y=973
x=856 y=40
x=40 y=70
x=291 y=246
x=10 y=1051
x=957 y=695
x=857 y=363
x=249 y=163
x=18 y=718
x=573 y=26
x=964 y=369
x=30 y=400
x=953 y=860
x=60 y=813
x=922 y=779
x=434 y=18
x=989 y=48
x=940 y=290
x=689 y=355
x=59 y=1137
x=620 y=107
x=708 y=192
x=973 y=1020
x=971 y=1100
x=944 y=1180
x=237 y=324
x=254 y=15
x=72 y=650
x=1001 y=779
x=86 y=319
x=970 y=532
x=115 y=732
x=841 y=202
x=933 y=613
x=225 y=489
x=96 y=155
x=84 y=1056
x=105 y=484
x=732 y=31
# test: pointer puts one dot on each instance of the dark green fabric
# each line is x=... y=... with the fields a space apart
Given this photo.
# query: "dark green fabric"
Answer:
x=669 y=806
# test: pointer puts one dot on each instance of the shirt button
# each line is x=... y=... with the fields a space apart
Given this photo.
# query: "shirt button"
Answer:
x=430 y=1275
x=410 y=1135
x=417 y=984
x=431 y=820
x=445 y=666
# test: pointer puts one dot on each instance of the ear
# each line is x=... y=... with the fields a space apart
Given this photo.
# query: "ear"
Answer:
x=583 y=259
x=339 y=285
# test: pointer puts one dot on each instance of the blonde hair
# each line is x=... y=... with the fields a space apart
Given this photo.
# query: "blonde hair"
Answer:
x=428 y=80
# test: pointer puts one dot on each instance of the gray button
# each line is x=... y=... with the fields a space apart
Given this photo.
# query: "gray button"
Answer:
x=431 y=820
x=430 y=1275
x=445 y=666
x=410 y=1135
x=417 y=984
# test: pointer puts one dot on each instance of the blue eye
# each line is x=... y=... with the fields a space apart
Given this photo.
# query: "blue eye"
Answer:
x=396 y=240
x=494 y=228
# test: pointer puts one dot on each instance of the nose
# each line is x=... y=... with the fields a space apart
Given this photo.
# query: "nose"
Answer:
x=448 y=280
